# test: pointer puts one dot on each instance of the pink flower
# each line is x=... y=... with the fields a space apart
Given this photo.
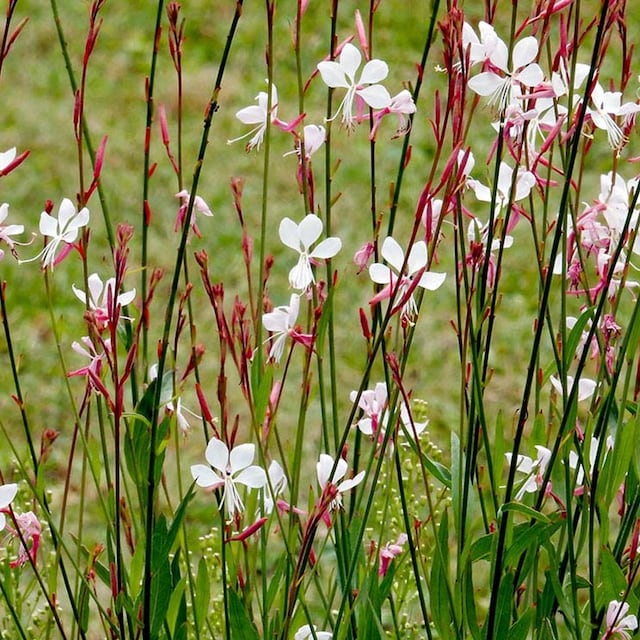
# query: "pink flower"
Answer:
x=199 y=206
x=103 y=300
x=30 y=530
x=619 y=622
x=389 y=552
x=332 y=483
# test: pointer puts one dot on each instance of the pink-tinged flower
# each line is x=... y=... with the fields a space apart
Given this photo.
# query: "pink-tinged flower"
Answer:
x=7 y=494
x=87 y=349
x=314 y=136
x=363 y=255
x=586 y=387
x=403 y=277
x=230 y=468
x=102 y=299
x=8 y=230
x=342 y=75
x=373 y=403
x=483 y=47
x=281 y=324
x=524 y=182
x=64 y=229
x=606 y=106
x=305 y=633
x=389 y=552
x=402 y=105
x=330 y=483
x=29 y=534
x=534 y=469
x=620 y=623
x=199 y=206
x=503 y=89
x=300 y=238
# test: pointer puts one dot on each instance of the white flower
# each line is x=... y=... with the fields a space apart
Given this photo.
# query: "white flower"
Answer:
x=606 y=105
x=63 y=229
x=257 y=115
x=326 y=479
x=304 y=633
x=502 y=90
x=7 y=494
x=300 y=238
x=535 y=470
x=6 y=158
x=229 y=468
x=7 y=230
x=482 y=48
x=586 y=387
x=342 y=74
x=373 y=403
x=102 y=298
x=416 y=264
x=619 y=621
x=281 y=322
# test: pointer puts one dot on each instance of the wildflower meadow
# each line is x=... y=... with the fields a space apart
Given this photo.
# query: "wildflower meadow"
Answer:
x=320 y=320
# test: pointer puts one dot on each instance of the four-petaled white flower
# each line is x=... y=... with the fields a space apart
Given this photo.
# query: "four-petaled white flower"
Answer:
x=7 y=230
x=331 y=482
x=281 y=322
x=535 y=470
x=342 y=74
x=502 y=90
x=300 y=238
x=64 y=229
x=102 y=298
x=305 y=633
x=416 y=265
x=7 y=494
x=229 y=469
x=619 y=621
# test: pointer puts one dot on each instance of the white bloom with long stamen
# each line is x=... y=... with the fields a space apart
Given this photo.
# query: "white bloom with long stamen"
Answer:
x=281 y=322
x=300 y=238
x=606 y=106
x=258 y=114
x=388 y=275
x=8 y=230
x=63 y=229
x=102 y=298
x=228 y=469
x=342 y=75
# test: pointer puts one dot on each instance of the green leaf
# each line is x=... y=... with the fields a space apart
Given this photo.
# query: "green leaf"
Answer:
x=202 y=595
x=504 y=606
x=520 y=629
x=439 y=592
x=612 y=581
x=160 y=597
x=239 y=622
x=529 y=512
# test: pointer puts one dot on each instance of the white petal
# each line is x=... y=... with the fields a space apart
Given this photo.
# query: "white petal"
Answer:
x=7 y=157
x=4 y=212
x=253 y=476
x=310 y=229
x=374 y=71
x=417 y=258
x=393 y=253
x=48 y=225
x=349 y=484
x=241 y=456
x=524 y=52
x=431 y=280
x=327 y=249
x=205 y=476
x=380 y=273
x=66 y=212
x=323 y=469
x=289 y=234
x=341 y=470
x=350 y=60
x=333 y=74
x=531 y=75
x=275 y=321
x=79 y=293
x=95 y=286
x=252 y=115
x=376 y=96
x=485 y=83
x=217 y=454
x=7 y=494
x=127 y=297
